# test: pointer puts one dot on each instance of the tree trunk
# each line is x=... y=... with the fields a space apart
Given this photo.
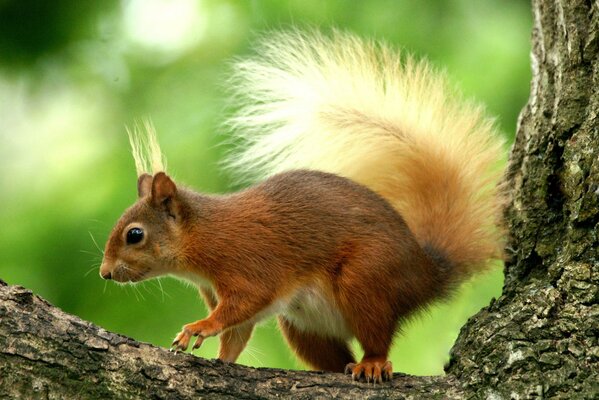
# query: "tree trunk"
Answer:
x=539 y=339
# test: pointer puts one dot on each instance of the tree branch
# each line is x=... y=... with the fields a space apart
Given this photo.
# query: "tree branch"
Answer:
x=47 y=353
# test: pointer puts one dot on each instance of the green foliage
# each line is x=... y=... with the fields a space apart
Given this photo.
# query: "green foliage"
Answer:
x=70 y=85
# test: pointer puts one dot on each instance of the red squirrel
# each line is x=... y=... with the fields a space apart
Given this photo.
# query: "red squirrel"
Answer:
x=378 y=194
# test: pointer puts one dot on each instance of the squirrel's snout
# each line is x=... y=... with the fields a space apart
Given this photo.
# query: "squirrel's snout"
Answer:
x=105 y=273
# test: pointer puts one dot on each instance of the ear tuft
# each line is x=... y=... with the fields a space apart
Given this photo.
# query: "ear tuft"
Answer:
x=144 y=185
x=163 y=188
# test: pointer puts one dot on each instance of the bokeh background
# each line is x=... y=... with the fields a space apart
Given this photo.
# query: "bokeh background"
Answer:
x=74 y=73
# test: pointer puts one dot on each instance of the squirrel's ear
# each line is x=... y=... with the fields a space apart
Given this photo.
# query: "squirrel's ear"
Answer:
x=144 y=185
x=163 y=190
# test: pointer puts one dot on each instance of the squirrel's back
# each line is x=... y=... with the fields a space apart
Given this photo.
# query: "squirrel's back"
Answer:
x=316 y=212
x=358 y=109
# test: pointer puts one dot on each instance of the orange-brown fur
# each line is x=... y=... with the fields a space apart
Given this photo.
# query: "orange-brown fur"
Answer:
x=298 y=229
x=320 y=352
x=403 y=208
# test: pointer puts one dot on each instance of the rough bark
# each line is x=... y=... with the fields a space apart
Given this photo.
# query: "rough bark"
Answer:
x=540 y=337
x=48 y=354
x=538 y=340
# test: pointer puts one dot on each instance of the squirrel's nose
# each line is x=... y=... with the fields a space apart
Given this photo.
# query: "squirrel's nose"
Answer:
x=106 y=274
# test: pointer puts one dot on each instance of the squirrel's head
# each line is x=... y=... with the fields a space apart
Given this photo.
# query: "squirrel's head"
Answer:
x=142 y=243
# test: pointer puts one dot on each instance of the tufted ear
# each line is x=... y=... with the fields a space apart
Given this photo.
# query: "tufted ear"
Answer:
x=144 y=185
x=164 y=192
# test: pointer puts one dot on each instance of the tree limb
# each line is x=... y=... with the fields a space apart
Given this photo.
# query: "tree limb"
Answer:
x=47 y=353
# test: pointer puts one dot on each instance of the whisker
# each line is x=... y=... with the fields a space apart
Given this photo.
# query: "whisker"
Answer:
x=149 y=285
x=159 y=280
x=95 y=243
x=89 y=252
x=97 y=221
x=93 y=268
x=253 y=353
x=133 y=291
x=136 y=289
x=144 y=286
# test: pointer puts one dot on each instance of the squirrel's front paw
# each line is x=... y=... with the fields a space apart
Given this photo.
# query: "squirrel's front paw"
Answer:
x=181 y=342
x=202 y=329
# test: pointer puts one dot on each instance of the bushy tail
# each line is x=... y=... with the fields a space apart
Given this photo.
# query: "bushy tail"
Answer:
x=356 y=108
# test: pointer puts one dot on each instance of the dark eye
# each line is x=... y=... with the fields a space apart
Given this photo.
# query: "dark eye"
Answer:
x=135 y=235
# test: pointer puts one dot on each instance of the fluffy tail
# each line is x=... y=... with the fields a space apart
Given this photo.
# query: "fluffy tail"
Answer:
x=356 y=108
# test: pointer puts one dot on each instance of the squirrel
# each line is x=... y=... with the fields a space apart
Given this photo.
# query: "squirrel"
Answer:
x=379 y=192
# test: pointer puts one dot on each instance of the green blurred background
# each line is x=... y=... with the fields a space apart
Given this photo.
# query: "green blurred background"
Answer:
x=73 y=74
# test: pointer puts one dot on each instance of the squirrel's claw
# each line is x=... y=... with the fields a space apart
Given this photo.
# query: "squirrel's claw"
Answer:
x=387 y=372
x=181 y=342
x=198 y=342
x=371 y=371
x=202 y=329
x=349 y=367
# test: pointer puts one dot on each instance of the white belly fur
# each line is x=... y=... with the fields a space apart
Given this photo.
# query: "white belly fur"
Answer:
x=309 y=310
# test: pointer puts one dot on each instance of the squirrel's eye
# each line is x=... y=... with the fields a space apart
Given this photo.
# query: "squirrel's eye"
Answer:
x=135 y=235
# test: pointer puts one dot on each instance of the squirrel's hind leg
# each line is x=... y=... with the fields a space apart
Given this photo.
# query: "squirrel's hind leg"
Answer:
x=369 y=303
x=319 y=352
